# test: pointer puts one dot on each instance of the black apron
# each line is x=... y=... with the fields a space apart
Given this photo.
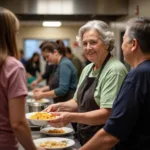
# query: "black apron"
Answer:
x=54 y=83
x=86 y=102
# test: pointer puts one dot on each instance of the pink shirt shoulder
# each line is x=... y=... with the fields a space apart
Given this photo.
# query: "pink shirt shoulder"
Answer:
x=13 y=77
x=12 y=84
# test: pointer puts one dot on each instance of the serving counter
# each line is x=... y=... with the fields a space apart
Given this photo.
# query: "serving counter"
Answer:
x=35 y=131
x=37 y=135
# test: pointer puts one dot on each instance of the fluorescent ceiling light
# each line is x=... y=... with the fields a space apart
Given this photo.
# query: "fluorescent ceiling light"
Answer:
x=51 y=23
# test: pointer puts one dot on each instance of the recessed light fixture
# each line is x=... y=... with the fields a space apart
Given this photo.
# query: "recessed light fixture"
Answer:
x=51 y=23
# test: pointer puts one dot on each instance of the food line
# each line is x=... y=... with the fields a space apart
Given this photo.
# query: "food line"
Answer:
x=36 y=134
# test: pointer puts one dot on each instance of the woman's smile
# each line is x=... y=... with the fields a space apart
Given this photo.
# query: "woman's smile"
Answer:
x=90 y=53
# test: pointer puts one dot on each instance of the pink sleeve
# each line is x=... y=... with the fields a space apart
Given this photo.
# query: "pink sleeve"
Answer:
x=17 y=83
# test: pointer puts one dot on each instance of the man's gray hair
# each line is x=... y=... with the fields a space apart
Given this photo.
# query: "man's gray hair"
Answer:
x=102 y=28
x=139 y=29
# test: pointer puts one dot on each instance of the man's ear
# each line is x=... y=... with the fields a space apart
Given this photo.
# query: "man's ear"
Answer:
x=134 y=45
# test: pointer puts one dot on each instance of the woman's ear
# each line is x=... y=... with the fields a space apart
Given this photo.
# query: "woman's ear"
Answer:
x=55 y=51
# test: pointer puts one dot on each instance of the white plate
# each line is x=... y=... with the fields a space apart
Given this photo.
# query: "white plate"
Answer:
x=44 y=100
x=35 y=121
x=69 y=142
x=32 y=125
x=30 y=93
x=66 y=129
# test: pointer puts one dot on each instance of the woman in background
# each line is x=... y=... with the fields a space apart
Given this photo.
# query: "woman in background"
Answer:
x=33 y=67
x=49 y=68
x=61 y=44
x=63 y=82
x=13 y=91
x=75 y=60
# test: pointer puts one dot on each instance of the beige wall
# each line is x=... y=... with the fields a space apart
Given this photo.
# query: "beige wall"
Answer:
x=119 y=25
x=144 y=7
x=38 y=32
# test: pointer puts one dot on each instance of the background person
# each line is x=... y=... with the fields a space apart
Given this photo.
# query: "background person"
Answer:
x=13 y=91
x=22 y=59
x=128 y=125
x=98 y=86
x=49 y=68
x=75 y=60
x=33 y=67
x=63 y=83
x=61 y=44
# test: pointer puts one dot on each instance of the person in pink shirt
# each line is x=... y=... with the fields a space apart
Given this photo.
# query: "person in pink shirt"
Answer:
x=13 y=90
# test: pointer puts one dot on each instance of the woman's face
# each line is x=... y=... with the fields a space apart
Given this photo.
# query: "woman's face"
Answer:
x=50 y=57
x=93 y=47
x=36 y=58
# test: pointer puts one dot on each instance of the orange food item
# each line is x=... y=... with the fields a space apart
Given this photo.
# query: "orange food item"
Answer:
x=52 y=144
x=43 y=116
x=56 y=131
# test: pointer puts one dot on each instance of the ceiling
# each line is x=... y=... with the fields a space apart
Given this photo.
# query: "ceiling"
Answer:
x=67 y=20
x=64 y=23
x=70 y=12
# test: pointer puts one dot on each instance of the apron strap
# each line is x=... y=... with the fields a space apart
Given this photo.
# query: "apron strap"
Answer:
x=103 y=65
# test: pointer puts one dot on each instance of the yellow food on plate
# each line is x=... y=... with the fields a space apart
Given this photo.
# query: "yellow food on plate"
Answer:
x=43 y=116
x=40 y=100
x=56 y=131
x=53 y=144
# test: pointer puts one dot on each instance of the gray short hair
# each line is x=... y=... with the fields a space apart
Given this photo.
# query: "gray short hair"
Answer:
x=139 y=28
x=106 y=35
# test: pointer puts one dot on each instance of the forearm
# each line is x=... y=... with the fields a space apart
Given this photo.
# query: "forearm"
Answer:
x=96 y=117
x=19 y=123
x=69 y=106
x=100 y=141
x=50 y=94
x=45 y=88
x=40 y=78
x=23 y=134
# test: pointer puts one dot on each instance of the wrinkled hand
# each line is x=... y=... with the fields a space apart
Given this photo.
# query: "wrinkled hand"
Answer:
x=38 y=95
x=52 y=108
x=63 y=119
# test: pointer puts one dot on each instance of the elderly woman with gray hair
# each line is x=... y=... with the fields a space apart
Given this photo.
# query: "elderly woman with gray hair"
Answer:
x=98 y=86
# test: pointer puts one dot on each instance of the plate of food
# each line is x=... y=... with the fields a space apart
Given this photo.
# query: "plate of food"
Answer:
x=40 y=118
x=53 y=143
x=43 y=100
x=32 y=126
x=56 y=131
